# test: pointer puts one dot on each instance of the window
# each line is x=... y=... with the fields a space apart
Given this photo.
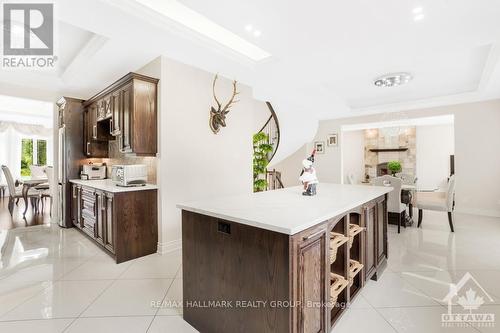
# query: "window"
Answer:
x=32 y=152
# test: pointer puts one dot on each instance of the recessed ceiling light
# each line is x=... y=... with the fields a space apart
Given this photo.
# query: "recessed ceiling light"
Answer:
x=418 y=17
x=257 y=33
x=249 y=27
x=417 y=10
x=176 y=11
x=393 y=80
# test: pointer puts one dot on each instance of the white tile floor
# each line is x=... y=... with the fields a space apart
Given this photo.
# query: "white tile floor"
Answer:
x=55 y=280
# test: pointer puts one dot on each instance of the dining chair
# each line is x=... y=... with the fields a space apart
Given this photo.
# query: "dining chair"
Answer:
x=438 y=201
x=16 y=193
x=51 y=191
x=394 y=205
x=407 y=178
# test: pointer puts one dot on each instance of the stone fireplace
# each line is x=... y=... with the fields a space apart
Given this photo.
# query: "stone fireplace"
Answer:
x=389 y=139
x=382 y=169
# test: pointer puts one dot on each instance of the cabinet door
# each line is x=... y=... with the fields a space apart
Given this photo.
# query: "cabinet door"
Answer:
x=371 y=240
x=86 y=133
x=381 y=231
x=75 y=205
x=109 y=241
x=126 y=112
x=312 y=282
x=93 y=110
x=115 y=122
x=100 y=217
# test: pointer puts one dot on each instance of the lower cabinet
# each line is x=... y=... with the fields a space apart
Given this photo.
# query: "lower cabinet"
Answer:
x=312 y=267
x=328 y=279
x=96 y=213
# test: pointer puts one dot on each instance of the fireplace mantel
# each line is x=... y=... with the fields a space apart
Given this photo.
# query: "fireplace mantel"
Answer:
x=384 y=150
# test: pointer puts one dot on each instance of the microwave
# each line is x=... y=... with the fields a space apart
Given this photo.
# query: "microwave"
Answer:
x=129 y=175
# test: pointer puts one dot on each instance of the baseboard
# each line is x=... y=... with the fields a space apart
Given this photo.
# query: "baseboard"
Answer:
x=171 y=246
x=482 y=212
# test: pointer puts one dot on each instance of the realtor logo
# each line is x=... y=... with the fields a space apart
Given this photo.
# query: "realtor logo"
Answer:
x=470 y=296
x=28 y=35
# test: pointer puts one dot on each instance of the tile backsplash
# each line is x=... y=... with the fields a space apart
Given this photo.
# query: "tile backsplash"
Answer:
x=116 y=157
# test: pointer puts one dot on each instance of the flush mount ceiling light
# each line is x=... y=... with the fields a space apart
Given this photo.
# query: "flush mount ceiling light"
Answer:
x=392 y=80
x=184 y=15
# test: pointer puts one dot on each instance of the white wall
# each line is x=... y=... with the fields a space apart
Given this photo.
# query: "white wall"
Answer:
x=477 y=161
x=435 y=144
x=353 y=155
x=194 y=163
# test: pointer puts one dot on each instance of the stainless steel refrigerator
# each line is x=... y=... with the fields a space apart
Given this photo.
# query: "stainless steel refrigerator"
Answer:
x=70 y=155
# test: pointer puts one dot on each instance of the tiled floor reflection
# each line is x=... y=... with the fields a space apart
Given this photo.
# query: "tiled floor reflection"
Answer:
x=55 y=280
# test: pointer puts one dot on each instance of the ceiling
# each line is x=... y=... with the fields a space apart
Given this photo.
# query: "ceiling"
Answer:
x=324 y=54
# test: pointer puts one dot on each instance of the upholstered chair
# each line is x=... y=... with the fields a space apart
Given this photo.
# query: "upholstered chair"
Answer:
x=394 y=205
x=438 y=201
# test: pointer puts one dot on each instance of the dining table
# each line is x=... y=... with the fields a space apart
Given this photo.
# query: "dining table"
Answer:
x=29 y=183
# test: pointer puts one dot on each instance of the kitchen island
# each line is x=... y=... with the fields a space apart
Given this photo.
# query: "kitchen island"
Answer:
x=278 y=261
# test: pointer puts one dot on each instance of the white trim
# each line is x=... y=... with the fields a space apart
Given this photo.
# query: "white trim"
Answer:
x=482 y=212
x=168 y=247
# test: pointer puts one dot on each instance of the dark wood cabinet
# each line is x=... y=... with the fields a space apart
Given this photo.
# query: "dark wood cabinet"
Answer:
x=382 y=245
x=75 y=205
x=376 y=237
x=124 y=224
x=126 y=114
x=92 y=147
x=126 y=111
x=370 y=217
x=116 y=106
x=312 y=270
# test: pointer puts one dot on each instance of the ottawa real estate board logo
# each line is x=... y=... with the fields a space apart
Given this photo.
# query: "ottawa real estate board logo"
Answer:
x=28 y=35
x=466 y=301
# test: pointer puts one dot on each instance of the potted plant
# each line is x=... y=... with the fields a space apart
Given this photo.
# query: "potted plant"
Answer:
x=261 y=150
x=394 y=167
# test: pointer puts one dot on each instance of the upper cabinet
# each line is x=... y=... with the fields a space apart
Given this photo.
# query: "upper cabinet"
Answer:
x=126 y=111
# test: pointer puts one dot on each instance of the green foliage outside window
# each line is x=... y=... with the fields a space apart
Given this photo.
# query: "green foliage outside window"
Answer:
x=41 y=152
x=26 y=156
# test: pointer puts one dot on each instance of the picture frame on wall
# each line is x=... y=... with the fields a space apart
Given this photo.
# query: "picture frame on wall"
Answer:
x=320 y=147
x=332 y=140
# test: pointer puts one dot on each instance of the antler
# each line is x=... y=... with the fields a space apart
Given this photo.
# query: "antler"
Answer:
x=213 y=90
x=231 y=101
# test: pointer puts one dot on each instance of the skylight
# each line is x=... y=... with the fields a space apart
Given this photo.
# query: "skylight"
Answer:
x=202 y=25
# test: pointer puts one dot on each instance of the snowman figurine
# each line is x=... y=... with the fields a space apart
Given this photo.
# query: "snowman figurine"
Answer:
x=308 y=177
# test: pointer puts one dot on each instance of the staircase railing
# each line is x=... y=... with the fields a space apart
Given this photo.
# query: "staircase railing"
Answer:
x=274 y=180
x=272 y=129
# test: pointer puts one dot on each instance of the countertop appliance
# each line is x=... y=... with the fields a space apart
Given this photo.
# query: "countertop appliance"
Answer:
x=70 y=153
x=129 y=175
x=94 y=171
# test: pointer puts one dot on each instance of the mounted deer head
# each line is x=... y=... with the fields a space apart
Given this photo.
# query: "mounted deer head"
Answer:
x=218 y=116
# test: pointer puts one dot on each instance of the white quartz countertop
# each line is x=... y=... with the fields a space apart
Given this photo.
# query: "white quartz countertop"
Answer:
x=108 y=186
x=287 y=210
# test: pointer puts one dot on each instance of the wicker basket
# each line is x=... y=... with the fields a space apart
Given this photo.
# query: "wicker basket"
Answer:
x=354 y=229
x=336 y=240
x=354 y=268
x=338 y=284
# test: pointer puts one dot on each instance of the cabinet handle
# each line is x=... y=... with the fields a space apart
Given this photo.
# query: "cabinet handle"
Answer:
x=94 y=131
x=313 y=235
x=88 y=148
x=111 y=129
